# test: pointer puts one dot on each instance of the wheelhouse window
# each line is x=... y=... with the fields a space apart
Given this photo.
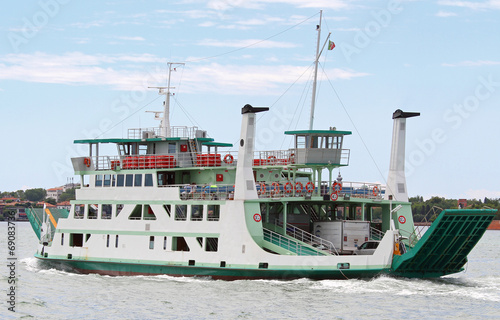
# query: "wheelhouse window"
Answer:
x=107 y=180
x=120 y=180
x=98 y=180
x=172 y=148
x=138 y=180
x=129 y=180
x=148 y=180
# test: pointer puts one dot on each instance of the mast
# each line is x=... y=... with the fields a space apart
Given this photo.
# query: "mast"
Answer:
x=165 y=123
x=313 y=102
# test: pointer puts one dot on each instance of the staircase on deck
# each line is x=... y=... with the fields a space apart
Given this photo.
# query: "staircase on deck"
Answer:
x=297 y=241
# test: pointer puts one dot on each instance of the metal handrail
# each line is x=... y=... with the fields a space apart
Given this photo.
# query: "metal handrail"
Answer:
x=287 y=243
x=309 y=238
x=376 y=234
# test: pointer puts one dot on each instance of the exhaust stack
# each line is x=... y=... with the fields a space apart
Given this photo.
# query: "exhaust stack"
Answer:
x=396 y=181
x=244 y=182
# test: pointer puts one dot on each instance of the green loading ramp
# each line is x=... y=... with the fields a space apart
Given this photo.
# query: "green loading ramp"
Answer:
x=443 y=249
x=35 y=216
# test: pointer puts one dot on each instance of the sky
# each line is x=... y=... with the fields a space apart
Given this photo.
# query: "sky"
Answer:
x=81 y=69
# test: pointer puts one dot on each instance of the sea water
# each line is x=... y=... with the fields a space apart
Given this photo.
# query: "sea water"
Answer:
x=51 y=294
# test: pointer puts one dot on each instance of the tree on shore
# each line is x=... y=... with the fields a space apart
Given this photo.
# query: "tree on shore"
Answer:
x=425 y=210
x=35 y=195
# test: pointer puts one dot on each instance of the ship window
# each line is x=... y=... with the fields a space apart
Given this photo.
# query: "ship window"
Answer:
x=180 y=212
x=314 y=142
x=148 y=213
x=138 y=180
x=196 y=212
x=164 y=243
x=213 y=212
x=87 y=237
x=98 y=180
x=200 y=241
x=79 y=211
x=143 y=149
x=129 y=178
x=76 y=239
x=107 y=241
x=179 y=244
x=92 y=211
x=301 y=142
x=119 y=208
x=107 y=180
x=148 y=180
x=106 y=211
x=116 y=241
x=172 y=148
x=167 y=208
x=136 y=213
x=120 y=180
x=211 y=244
x=62 y=239
x=151 y=242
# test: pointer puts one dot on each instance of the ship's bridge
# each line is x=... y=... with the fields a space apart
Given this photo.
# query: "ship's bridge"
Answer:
x=320 y=147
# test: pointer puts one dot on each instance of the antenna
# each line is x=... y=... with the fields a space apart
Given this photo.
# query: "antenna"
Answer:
x=165 y=123
x=316 y=61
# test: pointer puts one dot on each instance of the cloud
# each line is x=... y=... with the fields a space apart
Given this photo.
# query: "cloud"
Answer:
x=144 y=70
x=444 y=14
x=481 y=193
x=254 y=43
x=478 y=63
x=260 y=4
x=485 y=5
x=132 y=38
x=254 y=78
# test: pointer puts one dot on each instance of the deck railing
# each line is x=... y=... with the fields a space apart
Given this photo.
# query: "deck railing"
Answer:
x=175 y=131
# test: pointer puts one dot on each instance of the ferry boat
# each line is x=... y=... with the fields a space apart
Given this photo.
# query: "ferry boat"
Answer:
x=173 y=201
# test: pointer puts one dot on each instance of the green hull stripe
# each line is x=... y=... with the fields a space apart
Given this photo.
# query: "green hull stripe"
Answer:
x=112 y=268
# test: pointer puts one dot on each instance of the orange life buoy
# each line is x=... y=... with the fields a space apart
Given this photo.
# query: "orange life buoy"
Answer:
x=288 y=187
x=337 y=187
x=376 y=191
x=263 y=188
x=275 y=187
x=228 y=158
x=310 y=187
x=86 y=161
x=271 y=159
x=299 y=187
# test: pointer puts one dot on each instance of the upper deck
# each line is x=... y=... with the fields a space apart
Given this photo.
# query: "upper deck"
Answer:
x=188 y=147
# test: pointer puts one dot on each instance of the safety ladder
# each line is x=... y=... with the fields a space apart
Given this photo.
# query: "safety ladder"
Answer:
x=193 y=151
